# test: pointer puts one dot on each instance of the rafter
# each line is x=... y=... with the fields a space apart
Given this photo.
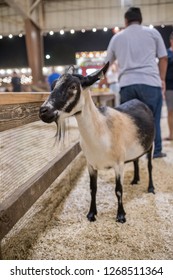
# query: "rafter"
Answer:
x=34 y=5
x=23 y=11
x=16 y=5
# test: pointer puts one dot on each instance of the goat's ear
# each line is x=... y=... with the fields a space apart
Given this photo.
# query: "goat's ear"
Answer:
x=94 y=77
x=71 y=70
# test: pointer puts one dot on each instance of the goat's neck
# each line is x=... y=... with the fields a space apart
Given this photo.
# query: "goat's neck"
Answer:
x=90 y=120
x=95 y=135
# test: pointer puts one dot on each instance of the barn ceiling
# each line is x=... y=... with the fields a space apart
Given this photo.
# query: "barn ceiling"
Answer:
x=77 y=14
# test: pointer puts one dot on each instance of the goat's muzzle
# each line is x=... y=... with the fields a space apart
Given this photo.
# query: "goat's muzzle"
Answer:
x=47 y=115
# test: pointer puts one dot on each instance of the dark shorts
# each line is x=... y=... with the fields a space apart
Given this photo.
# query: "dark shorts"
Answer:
x=169 y=99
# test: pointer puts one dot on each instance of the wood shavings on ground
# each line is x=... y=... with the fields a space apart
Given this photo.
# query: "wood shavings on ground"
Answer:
x=56 y=227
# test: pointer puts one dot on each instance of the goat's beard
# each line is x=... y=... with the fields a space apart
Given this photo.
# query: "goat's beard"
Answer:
x=61 y=129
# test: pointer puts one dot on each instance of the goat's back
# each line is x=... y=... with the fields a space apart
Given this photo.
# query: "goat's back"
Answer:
x=142 y=117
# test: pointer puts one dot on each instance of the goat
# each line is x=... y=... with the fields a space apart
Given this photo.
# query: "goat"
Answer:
x=110 y=137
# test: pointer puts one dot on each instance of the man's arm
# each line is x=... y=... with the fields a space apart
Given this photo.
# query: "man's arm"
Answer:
x=110 y=52
x=163 y=62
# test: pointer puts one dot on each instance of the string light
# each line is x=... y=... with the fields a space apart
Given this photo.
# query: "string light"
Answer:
x=23 y=70
x=47 y=56
x=26 y=80
x=61 y=32
x=93 y=54
x=24 y=73
x=116 y=29
x=9 y=71
x=2 y=71
x=60 y=69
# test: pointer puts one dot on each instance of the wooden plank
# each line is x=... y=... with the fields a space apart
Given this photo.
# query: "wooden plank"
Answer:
x=17 y=109
x=17 y=204
x=103 y=99
x=15 y=115
x=7 y=98
x=100 y=94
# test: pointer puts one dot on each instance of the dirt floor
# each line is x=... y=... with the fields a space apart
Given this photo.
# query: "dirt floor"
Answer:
x=56 y=226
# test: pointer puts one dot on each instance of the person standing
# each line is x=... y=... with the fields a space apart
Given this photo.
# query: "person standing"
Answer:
x=52 y=77
x=16 y=82
x=169 y=89
x=112 y=79
x=140 y=76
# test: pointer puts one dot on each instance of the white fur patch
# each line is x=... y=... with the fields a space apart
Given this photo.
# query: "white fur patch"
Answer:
x=118 y=194
x=69 y=101
x=48 y=104
x=134 y=151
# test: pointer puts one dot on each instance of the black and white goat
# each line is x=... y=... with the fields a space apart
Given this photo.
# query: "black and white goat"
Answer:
x=109 y=137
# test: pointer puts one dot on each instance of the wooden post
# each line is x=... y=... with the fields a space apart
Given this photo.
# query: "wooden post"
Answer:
x=34 y=44
x=0 y=252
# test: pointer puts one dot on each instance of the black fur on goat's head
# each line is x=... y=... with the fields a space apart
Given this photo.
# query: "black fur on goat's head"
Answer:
x=65 y=98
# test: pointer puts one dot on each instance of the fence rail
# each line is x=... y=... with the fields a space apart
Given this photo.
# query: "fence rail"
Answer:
x=19 y=202
x=17 y=110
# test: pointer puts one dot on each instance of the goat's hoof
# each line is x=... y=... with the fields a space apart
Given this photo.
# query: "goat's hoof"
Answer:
x=134 y=182
x=91 y=217
x=121 y=218
x=151 y=190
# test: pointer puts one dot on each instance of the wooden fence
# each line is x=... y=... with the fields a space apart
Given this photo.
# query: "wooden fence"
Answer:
x=17 y=109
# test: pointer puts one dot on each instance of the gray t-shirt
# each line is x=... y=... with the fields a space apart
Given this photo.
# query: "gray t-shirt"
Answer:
x=136 y=49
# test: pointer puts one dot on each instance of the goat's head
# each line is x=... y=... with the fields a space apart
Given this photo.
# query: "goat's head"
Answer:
x=66 y=97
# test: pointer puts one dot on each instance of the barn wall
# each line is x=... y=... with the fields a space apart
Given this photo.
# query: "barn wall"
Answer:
x=99 y=13
x=79 y=14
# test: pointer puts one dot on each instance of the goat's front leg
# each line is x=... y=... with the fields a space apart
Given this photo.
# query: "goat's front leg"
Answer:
x=119 y=193
x=93 y=189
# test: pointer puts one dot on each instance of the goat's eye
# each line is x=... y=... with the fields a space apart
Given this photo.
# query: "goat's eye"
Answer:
x=73 y=87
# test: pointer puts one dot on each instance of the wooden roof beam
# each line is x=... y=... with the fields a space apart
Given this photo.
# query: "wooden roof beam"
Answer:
x=21 y=9
x=18 y=6
x=34 y=5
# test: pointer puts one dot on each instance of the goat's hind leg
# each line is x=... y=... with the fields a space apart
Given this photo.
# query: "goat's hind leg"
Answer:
x=150 y=167
x=93 y=189
x=136 y=177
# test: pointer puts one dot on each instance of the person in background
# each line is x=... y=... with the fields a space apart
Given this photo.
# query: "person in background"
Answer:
x=16 y=82
x=169 y=89
x=140 y=76
x=112 y=80
x=52 y=77
x=103 y=83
